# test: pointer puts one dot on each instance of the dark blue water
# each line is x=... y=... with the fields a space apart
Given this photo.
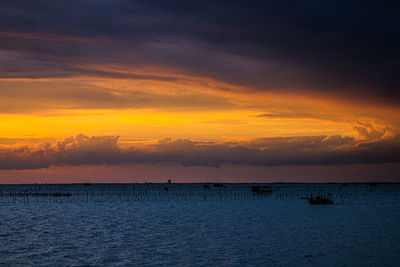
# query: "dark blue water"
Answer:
x=192 y=226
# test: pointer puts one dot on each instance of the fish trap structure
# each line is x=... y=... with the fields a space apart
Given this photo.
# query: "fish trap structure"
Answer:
x=186 y=192
x=128 y=192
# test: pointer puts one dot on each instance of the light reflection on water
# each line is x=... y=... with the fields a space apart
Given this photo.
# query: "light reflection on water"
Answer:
x=107 y=225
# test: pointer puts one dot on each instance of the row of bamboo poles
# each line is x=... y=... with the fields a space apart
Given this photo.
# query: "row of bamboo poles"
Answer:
x=181 y=192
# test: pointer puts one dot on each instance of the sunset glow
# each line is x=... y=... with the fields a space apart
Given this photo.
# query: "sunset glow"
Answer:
x=111 y=92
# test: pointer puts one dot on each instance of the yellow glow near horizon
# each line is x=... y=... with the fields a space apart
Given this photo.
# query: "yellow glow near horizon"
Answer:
x=194 y=109
x=156 y=125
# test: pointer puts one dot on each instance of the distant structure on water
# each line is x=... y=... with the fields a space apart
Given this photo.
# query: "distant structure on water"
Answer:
x=319 y=200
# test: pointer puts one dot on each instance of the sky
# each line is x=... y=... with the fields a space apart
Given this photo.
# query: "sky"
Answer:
x=199 y=91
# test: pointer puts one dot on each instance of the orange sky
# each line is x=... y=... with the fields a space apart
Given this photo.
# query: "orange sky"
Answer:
x=142 y=113
x=148 y=111
x=205 y=87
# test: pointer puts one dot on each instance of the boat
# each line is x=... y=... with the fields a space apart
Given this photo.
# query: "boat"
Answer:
x=319 y=200
x=261 y=189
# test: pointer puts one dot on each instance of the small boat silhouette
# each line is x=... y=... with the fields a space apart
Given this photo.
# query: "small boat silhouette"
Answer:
x=319 y=200
x=261 y=189
x=206 y=186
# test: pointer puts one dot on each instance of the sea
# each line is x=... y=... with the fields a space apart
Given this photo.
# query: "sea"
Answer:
x=199 y=225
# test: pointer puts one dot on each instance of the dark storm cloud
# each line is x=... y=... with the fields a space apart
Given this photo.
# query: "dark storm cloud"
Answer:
x=346 y=47
x=308 y=150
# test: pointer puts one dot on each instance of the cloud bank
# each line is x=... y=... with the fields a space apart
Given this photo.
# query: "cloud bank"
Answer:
x=280 y=151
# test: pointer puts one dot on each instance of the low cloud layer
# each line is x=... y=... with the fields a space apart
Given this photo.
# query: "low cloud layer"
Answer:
x=308 y=150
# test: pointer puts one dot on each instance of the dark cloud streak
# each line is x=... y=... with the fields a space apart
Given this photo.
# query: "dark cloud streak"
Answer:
x=17 y=97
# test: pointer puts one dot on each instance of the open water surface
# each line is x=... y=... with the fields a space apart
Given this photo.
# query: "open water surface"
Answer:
x=189 y=225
